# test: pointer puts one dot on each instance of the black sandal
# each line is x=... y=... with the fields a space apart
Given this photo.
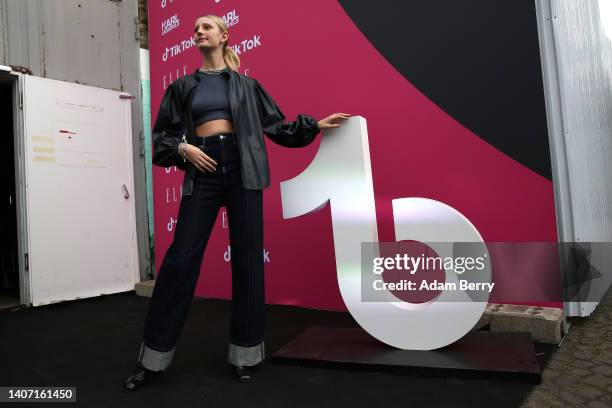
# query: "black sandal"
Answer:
x=140 y=377
x=244 y=374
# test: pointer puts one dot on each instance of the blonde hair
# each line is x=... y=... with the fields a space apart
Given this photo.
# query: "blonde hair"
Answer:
x=229 y=55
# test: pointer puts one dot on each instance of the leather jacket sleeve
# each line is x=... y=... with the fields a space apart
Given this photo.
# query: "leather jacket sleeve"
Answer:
x=299 y=133
x=167 y=131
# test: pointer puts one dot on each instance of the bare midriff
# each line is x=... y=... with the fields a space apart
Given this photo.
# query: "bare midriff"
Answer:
x=214 y=127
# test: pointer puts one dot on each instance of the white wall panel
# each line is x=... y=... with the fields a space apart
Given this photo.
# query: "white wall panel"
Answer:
x=577 y=68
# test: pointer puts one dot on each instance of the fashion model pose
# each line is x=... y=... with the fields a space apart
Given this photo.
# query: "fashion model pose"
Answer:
x=211 y=124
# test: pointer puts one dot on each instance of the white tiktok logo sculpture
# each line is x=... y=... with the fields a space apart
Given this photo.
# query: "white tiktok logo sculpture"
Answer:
x=341 y=175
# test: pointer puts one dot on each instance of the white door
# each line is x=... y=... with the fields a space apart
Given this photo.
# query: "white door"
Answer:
x=79 y=204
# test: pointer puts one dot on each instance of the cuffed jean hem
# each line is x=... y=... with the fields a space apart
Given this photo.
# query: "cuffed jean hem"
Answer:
x=245 y=356
x=155 y=360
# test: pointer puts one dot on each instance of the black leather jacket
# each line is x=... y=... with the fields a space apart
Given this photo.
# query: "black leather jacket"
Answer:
x=254 y=113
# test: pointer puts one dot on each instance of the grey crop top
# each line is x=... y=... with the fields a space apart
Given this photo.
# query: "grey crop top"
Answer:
x=211 y=98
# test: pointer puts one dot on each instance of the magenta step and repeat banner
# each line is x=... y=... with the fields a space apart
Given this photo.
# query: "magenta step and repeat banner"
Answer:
x=455 y=113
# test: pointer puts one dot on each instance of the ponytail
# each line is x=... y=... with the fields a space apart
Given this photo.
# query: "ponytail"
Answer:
x=230 y=57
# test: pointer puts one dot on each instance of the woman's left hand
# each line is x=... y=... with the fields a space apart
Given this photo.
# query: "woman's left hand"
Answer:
x=333 y=121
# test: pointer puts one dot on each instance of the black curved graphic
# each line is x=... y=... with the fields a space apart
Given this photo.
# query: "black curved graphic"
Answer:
x=478 y=60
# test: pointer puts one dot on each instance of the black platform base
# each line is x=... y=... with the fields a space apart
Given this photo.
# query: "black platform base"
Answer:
x=480 y=354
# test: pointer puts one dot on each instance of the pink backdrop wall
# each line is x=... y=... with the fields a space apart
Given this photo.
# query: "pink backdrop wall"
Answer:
x=320 y=65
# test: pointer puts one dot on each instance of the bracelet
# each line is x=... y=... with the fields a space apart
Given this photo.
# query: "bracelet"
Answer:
x=181 y=150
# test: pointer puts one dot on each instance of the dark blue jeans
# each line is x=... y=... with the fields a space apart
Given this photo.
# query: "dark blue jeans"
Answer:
x=176 y=280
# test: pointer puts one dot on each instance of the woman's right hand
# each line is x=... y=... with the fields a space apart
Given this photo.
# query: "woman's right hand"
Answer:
x=200 y=160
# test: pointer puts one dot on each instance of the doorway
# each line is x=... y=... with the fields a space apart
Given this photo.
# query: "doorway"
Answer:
x=9 y=265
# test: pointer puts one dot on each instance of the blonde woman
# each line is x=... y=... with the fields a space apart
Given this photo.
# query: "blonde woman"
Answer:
x=221 y=116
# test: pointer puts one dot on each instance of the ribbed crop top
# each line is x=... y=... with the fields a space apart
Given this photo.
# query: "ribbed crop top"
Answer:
x=211 y=99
